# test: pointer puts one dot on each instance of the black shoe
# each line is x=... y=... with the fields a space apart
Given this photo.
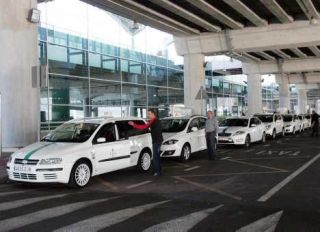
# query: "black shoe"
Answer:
x=156 y=174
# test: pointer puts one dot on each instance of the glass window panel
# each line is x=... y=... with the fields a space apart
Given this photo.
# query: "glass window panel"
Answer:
x=175 y=78
x=133 y=72
x=109 y=50
x=104 y=67
x=157 y=96
x=128 y=110
x=67 y=61
x=134 y=95
x=68 y=90
x=108 y=111
x=105 y=93
x=157 y=75
x=57 y=37
x=63 y=113
x=176 y=96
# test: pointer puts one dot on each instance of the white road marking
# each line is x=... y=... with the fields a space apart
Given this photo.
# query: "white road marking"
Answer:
x=192 y=168
x=284 y=152
x=208 y=188
x=225 y=158
x=296 y=153
x=184 y=223
x=28 y=201
x=231 y=173
x=257 y=165
x=250 y=150
x=279 y=186
x=23 y=220
x=286 y=157
x=267 y=145
x=106 y=220
x=139 y=184
x=260 y=152
x=266 y=224
x=11 y=193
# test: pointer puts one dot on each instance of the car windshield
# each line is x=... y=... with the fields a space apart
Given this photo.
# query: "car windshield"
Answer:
x=307 y=116
x=235 y=122
x=265 y=118
x=173 y=125
x=72 y=133
x=300 y=117
x=287 y=118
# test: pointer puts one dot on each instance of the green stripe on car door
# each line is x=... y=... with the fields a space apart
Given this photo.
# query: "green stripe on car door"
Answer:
x=27 y=156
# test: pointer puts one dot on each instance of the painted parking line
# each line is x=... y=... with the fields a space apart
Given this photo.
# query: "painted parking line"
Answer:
x=139 y=184
x=267 y=145
x=11 y=193
x=261 y=152
x=283 y=183
x=250 y=150
x=208 y=188
x=234 y=173
x=284 y=157
x=225 y=158
x=257 y=165
x=192 y=168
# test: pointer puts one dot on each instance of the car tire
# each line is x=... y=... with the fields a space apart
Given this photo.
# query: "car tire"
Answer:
x=283 y=132
x=145 y=160
x=263 y=139
x=185 y=153
x=294 y=131
x=247 y=142
x=274 y=134
x=80 y=174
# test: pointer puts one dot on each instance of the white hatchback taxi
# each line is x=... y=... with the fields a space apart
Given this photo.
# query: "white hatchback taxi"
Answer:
x=80 y=149
x=274 y=124
x=292 y=123
x=242 y=131
x=183 y=136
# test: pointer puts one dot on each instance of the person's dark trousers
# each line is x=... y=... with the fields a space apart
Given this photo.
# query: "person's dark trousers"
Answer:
x=211 y=145
x=315 y=130
x=156 y=158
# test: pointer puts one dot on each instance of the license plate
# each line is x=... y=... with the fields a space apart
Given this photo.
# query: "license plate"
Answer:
x=223 y=139
x=21 y=168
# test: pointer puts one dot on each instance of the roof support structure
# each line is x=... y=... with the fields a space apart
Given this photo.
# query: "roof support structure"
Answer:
x=186 y=14
x=246 y=12
x=298 y=52
x=277 y=11
x=309 y=9
x=315 y=50
x=215 y=13
x=266 y=55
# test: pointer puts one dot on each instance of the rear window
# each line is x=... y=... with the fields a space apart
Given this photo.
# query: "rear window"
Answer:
x=126 y=131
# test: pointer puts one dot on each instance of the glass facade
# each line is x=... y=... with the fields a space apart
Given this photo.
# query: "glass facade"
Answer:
x=118 y=72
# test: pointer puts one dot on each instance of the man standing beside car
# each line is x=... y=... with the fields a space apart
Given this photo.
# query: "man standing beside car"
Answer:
x=211 y=129
x=315 y=123
x=156 y=134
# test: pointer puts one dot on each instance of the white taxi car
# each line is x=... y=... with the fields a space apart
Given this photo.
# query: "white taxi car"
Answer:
x=274 y=124
x=80 y=149
x=183 y=136
x=292 y=123
x=306 y=121
x=242 y=131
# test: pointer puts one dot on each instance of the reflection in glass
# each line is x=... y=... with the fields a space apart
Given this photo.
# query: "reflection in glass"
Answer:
x=157 y=75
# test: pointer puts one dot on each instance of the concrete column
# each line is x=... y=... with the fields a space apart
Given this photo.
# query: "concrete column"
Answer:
x=284 y=93
x=302 y=101
x=254 y=94
x=194 y=79
x=19 y=52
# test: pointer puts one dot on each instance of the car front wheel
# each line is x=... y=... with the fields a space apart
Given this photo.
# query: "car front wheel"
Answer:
x=144 y=161
x=185 y=153
x=263 y=139
x=247 y=141
x=274 y=134
x=80 y=174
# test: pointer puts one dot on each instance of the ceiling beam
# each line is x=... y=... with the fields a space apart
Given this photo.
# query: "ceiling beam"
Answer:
x=266 y=56
x=246 y=12
x=251 y=57
x=298 y=52
x=274 y=7
x=215 y=13
x=161 y=16
x=315 y=50
x=129 y=12
x=309 y=9
x=166 y=4
x=281 y=54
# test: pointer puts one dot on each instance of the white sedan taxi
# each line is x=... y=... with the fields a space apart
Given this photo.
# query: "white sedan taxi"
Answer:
x=242 y=131
x=80 y=149
x=292 y=123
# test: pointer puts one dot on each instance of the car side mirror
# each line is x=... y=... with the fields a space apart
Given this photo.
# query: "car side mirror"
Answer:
x=194 y=129
x=253 y=125
x=101 y=140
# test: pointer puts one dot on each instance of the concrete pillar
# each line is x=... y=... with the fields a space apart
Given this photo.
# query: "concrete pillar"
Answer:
x=194 y=80
x=254 y=94
x=302 y=101
x=284 y=93
x=19 y=52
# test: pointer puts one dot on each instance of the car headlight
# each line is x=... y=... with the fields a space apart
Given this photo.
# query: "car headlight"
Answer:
x=50 y=161
x=170 y=142
x=288 y=125
x=239 y=133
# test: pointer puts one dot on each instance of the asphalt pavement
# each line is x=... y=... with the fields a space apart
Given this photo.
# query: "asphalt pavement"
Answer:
x=267 y=187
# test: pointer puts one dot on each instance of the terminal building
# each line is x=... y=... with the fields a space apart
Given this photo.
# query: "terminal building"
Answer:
x=73 y=59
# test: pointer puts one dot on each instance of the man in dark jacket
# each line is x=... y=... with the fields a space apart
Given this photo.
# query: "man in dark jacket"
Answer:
x=315 y=123
x=156 y=133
